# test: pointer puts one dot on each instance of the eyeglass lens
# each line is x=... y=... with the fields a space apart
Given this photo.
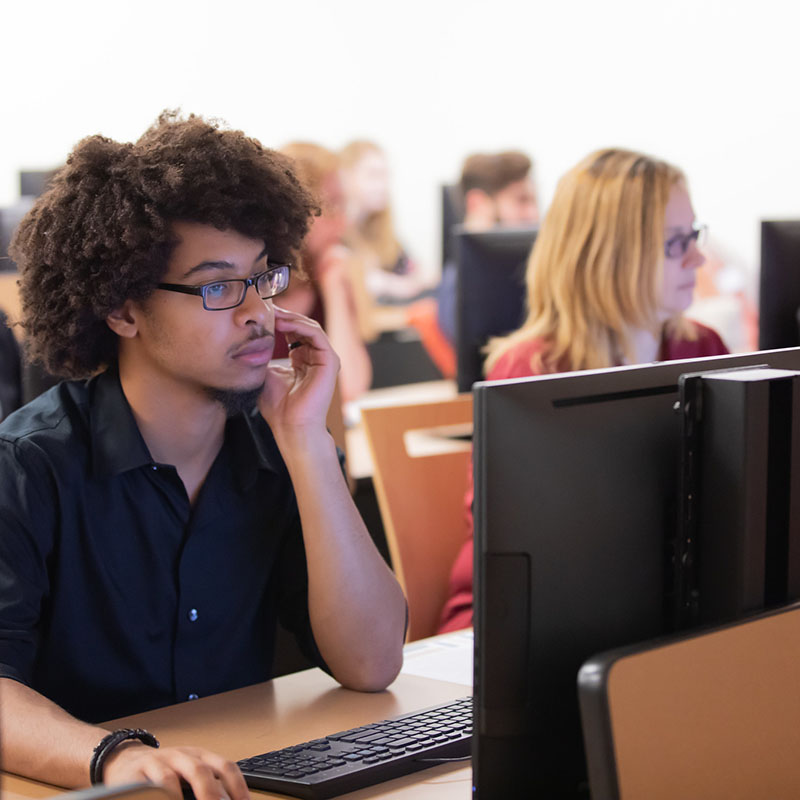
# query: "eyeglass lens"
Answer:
x=677 y=246
x=227 y=294
x=272 y=282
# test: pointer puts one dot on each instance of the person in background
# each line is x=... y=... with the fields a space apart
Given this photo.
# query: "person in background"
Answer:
x=164 y=508
x=611 y=273
x=10 y=370
x=327 y=292
x=389 y=275
x=497 y=191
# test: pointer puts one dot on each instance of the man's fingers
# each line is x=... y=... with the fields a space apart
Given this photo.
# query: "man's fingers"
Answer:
x=162 y=774
x=199 y=774
x=230 y=776
x=210 y=776
x=302 y=327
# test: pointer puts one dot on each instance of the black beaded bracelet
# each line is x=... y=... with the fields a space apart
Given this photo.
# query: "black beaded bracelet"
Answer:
x=108 y=743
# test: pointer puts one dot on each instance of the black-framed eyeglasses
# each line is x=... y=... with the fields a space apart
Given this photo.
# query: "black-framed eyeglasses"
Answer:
x=676 y=246
x=221 y=295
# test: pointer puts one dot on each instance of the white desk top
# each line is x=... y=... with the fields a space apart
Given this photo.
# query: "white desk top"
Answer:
x=447 y=657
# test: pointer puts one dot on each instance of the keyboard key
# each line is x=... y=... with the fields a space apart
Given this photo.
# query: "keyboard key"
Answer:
x=402 y=742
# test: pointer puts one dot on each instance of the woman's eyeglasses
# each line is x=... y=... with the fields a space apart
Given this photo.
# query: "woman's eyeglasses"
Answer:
x=676 y=246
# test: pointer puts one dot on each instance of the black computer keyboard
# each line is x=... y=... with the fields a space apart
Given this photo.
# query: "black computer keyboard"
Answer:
x=350 y=760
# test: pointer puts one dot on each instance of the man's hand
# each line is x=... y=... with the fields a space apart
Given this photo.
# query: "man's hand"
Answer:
x=210 y=776
x=355 y=604
x=300 y=395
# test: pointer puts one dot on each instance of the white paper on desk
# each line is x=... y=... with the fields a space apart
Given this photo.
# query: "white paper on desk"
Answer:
x=446 y=658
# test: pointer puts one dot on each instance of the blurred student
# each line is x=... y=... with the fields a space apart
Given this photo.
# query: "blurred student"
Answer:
x=329 y=294
x=611 y=273
x=389 y=275
x=10 y=370
x=497 y=191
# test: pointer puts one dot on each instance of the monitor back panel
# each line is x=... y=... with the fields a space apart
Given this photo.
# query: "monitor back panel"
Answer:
x=490 y=293
x=779 y=290
x=576 y=480
x=711 y=715
x=452 y=215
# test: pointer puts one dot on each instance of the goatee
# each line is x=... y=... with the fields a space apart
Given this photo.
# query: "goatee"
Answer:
x=235 y=401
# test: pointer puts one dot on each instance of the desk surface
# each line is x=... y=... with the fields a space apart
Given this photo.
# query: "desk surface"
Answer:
x=288 y=710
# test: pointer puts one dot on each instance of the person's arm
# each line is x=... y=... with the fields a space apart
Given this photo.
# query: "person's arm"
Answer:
x=341 y=323
x=356 y=606
x=42 y=741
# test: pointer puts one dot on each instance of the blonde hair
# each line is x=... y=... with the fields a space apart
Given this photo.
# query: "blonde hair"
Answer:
x=313 y=163
x=376 y=232
x=595 y=271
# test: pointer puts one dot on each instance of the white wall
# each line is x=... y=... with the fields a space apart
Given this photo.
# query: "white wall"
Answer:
x=710 y=85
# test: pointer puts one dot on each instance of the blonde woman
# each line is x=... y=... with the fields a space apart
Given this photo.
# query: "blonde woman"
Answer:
x=328 y=294
x=388 y=273
x=609 y=278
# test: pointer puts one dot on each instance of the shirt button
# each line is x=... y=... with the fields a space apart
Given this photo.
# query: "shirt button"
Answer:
x=192 y=696
x=155 y=467
x=192 y=615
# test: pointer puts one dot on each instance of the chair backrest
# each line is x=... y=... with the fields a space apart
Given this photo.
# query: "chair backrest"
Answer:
x=706 y=715
x=421 y=496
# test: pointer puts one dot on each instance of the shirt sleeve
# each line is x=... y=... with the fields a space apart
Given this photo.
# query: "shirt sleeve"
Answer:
x=27 y=502
x=457 y=611
x=712 y=343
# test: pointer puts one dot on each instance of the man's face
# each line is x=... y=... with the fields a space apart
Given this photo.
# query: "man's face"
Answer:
x=178 y=339
x=516 y=204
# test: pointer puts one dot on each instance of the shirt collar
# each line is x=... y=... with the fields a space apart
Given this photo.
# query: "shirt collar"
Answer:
x=118 y=446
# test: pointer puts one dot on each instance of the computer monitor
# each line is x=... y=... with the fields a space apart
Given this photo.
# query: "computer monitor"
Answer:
x=576 y=495
x=490 y=292
x=779 y=295
x=10 y=217
x=452 y=215
x=33 y=182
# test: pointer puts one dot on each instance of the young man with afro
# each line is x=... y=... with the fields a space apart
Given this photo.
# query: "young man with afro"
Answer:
x=163 y=508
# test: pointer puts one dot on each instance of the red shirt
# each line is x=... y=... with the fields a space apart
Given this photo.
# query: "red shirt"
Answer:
x=516 y=363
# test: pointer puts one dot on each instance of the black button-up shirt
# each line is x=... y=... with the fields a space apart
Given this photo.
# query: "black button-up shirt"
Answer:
x=116 y=595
